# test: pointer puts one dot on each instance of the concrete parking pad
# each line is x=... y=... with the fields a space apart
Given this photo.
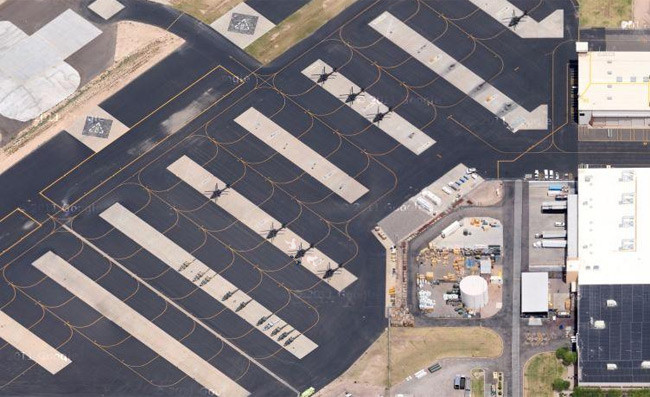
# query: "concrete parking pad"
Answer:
x=106 y=8
x=259 y=221
x=96 y=143
x=301 y=155
x=68 y=33
x=367 y=106
x=499 y=104
x=31 y=345
x=502 y=10
x=242 y=25
x=202 y=276
x=137 y=325
x=33 y=74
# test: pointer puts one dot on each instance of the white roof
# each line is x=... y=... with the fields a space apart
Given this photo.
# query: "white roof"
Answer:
x=614 y=81
x=534 y=292
x=614 y=226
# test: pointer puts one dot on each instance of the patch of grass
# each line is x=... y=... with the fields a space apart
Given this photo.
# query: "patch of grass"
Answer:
x=478 y=383
x=539 y=373
x=205 y=10
x=604 y=13
x=413 y=349
x=296 y=27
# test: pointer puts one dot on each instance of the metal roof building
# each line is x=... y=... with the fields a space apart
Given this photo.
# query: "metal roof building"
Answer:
x=614 y=277
x=534 y=293
x=613 y=89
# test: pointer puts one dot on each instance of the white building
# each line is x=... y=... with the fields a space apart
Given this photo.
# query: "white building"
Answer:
x=613 y=88
x=613 y=273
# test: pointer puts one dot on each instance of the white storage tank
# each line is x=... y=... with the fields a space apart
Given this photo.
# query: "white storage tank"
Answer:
x=474 y=292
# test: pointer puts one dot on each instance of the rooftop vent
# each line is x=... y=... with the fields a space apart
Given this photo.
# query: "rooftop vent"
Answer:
x=587 y=178
x=599 y=324
x=627 y=221
x=627 y=198
x=611 y=303
x=645 y=364
x=627 y=245
x=627 y=176
x=612 y=367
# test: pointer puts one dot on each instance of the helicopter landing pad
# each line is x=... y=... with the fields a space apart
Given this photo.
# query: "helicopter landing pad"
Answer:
x=301 y=155
x=368 y=106
x=485 y=94
x=201 y=275
x=261 y=222
x=503 y=11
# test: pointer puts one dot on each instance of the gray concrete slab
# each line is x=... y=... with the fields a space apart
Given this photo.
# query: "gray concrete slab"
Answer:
x=31 y=345
x=260 y=222
x=430 y=55
x=202 y=276
x=137 y=325
x=502 y=10
x=33 y=74
x=301 y=155
x=67 y=33
x=367 y=106
x=106 y=8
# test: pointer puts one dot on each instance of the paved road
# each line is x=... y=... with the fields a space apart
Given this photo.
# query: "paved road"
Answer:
x=516 y=291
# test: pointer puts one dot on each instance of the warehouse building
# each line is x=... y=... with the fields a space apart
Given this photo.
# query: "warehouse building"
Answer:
x=613 y=88
x=534 y=294
x=613 y=273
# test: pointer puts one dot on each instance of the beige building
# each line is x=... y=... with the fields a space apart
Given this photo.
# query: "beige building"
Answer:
x=613 y=88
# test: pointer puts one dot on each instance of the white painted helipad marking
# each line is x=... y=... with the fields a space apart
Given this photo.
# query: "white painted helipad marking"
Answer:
x=514 y=115
x=502 y=10
x=259 y=221
x=137 y=325
x=75 y=128
x=301 y=155
x=242 y=36
x=367 y=106
x=31 y=345
x=202 y=276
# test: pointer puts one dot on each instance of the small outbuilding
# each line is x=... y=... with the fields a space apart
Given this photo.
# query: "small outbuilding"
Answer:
x=534 y=294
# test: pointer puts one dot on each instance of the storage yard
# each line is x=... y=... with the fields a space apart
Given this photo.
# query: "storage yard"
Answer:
x=460 y=272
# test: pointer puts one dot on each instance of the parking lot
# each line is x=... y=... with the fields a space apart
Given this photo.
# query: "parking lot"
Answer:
x=545 y=221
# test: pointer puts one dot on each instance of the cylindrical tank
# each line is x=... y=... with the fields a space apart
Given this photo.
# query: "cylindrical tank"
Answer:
x=474 y=292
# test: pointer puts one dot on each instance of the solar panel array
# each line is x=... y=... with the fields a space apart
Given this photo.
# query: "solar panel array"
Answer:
x=625 y=338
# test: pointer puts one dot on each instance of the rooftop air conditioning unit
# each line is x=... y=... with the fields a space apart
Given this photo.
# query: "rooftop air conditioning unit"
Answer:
x=599 y=324
x=611 y=303
x=612 y=367
x=645 y=364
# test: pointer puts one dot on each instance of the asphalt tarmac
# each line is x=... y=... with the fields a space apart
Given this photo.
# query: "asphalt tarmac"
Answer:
x=186 y=105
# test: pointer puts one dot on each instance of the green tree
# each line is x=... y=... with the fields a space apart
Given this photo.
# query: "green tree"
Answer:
x=639 y=393
x=587 y=392
x=560 y=384
x=569 y=358
x=559 y=353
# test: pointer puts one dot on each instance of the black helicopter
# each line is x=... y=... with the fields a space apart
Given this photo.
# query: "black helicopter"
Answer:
x=514 y=21
x=216 y=193
x=352 y=96
x=379 y=116
x=273 y=231
x=330 y=271
x=300 y=252
x=324 y=76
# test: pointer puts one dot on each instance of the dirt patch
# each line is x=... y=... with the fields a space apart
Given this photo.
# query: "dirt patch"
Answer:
x=488 y=193
x=412 y=349
x=207 y=11
x=641 y=13
x=604 y=13
x=139 y=46
x=296 y=27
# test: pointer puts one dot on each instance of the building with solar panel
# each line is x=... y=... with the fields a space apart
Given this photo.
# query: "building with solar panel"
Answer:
x=612 y=265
